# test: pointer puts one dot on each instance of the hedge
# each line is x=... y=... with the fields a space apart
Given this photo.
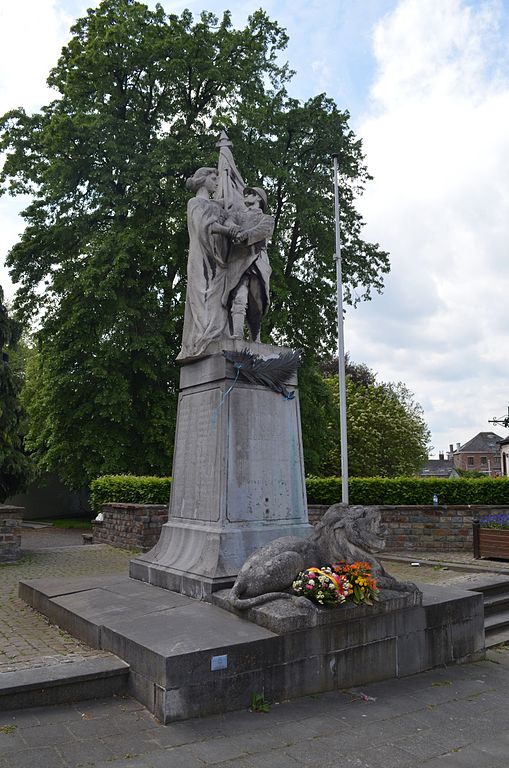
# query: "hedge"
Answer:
x=325 y=490
x=129 y=489
x=409 y=490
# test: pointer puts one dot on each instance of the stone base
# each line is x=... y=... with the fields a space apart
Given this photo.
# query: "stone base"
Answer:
x=291 y=614
x=238 y=475
x=196 y=560
x=189 y=658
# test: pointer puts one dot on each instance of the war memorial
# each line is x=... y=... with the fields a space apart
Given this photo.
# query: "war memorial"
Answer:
x=208 y=617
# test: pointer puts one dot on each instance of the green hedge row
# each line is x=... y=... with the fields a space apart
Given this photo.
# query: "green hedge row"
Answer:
x=409 y=490
x=325 y=490
x=129 y=489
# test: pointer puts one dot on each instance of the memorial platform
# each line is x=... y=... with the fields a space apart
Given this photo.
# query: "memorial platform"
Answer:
x=189 y=658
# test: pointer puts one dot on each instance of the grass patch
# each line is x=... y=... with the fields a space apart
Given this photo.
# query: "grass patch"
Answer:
x=83 y=523
x=8 y=728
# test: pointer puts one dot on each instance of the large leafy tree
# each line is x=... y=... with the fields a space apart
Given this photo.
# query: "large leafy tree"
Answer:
x=386 y=431
x=14 y=465
x=141 y=96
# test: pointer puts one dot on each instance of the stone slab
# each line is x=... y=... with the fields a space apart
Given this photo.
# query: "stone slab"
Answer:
x=59 y=683
x=213 y=365
x=190 y=658
x=288 y=615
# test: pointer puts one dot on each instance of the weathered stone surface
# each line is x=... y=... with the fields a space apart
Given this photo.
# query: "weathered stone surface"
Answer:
x=10 y=533
x=172 y=644
x=344 y=534
x=289 y=615
x=238 y=479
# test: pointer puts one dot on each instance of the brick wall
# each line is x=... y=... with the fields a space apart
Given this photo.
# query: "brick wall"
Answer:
x=442 y=528
x=439 y=528
x=130 y=526
x=10 y=533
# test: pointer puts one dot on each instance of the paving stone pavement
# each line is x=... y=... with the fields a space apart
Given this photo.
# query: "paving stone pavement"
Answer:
x=27 y=639
x=448 y=718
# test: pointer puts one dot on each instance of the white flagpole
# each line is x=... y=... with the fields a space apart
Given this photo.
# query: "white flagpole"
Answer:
x=341 y=345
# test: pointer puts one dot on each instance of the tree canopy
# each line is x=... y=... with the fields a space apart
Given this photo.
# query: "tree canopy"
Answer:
x=14 y=466
x=386 y=432
x=141 y=96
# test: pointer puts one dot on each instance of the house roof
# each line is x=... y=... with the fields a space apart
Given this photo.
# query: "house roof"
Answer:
x=437 y=468
x=484 y=442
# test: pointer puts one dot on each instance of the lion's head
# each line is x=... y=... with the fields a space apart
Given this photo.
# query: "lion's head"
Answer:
x=360 y=527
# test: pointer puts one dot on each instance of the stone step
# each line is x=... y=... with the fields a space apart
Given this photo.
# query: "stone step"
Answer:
x=492 y=586
x=496 y=621
x=496 y=637
x=495 y=603
x=97 y=677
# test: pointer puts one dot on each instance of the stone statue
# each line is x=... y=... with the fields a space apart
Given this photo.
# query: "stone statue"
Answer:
x=246 y=295
x=205 y=317
x=344 y=534
x=228 y=269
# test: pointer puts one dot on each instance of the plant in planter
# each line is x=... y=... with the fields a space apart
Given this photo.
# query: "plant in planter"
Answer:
x=491 y=536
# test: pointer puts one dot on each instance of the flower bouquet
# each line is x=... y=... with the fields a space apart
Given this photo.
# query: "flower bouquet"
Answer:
x=363 y=587
x=322 y=586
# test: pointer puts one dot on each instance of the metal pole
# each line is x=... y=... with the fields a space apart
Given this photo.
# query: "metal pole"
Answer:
x=341 y=346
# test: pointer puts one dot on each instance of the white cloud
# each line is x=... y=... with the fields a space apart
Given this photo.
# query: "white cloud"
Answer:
x=32 y=33
x=437 y=144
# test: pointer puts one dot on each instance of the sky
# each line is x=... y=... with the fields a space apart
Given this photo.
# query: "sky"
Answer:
x=426 y=83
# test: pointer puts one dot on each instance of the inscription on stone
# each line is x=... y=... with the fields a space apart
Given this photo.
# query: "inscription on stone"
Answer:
x=264 y=459
x=196 y=491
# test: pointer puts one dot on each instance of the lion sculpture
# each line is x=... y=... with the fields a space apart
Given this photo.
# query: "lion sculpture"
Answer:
x=344 y=534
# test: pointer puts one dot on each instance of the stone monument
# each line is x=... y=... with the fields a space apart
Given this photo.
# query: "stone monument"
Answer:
x=238 y=474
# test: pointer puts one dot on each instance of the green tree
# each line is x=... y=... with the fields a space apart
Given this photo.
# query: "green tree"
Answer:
x=14 y=465
x=386 y=432
x=141 y=95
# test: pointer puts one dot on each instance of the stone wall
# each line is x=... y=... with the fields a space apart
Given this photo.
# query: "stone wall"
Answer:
x=130 y=526
x=442 y=528
x=439 y=528
x=10 y=533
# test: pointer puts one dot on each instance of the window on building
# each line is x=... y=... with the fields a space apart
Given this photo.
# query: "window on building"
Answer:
x=470 y=461
x=484 y=460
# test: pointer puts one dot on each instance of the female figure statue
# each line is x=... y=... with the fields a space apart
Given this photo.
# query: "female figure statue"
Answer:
x=205 y=317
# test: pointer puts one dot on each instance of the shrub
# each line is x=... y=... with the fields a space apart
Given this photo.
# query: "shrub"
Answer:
x=409 y=490
x=325 y=490
x=129 y=489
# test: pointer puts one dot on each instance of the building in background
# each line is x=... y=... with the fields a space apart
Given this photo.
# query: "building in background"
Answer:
x=480 y=454
x=504 y=455
x=440 y=467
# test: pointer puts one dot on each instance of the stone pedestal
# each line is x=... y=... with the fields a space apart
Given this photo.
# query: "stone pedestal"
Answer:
x=238 y=476
x=10 y=533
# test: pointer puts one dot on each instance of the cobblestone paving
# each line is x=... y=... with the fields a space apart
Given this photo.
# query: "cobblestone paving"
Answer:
x=27 y=639
x=445 y=718
x=437 y=574
x=456 y=557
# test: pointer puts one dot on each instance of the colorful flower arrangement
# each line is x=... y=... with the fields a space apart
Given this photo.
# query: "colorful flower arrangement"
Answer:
x=322 y=586
x=332 y=585
x=364 y=588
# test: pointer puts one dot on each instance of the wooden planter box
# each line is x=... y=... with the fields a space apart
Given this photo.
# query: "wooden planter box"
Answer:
x=491 y=542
